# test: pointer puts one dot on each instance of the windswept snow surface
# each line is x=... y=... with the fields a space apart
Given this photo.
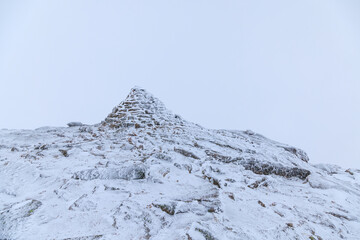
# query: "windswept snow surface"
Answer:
x=145 y=173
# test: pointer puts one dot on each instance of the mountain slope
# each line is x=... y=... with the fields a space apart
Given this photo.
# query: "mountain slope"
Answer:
x=146 y=173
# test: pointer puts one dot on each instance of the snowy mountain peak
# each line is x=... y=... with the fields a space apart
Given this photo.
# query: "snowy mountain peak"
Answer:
x=144 y=173
x=140 y=109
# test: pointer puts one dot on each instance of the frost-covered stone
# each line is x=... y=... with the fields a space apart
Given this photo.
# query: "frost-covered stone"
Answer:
x=168 y=208
x=186 y=153
x=140 y=110
x=297 y=152
x=146 y=173
x=75 y=124
x=127 y=173
x=264 y=168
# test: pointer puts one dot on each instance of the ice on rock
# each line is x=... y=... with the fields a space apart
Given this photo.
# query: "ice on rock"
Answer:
x=140 y=109
x=75 y=124
x=267 y=168
x=127 y=173
x=146 y=173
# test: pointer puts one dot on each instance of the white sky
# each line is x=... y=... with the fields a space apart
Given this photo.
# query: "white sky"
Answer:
x=289 y=70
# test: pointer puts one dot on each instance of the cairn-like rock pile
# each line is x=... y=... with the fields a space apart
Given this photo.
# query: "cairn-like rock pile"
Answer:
x=140 y=110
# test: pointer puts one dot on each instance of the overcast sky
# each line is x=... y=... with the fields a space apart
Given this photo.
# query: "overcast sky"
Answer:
x=289 y=70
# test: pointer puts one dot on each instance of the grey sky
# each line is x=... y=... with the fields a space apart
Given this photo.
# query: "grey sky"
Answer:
x=289 y=70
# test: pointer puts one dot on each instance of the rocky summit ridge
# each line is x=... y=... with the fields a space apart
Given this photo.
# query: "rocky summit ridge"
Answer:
x=146 y=173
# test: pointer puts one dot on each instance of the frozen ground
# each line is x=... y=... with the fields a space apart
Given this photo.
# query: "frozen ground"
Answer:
x=145 y=173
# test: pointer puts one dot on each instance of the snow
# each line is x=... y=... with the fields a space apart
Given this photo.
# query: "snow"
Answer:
x=146 y=173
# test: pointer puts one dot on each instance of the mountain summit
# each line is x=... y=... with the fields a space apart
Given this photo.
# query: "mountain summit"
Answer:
x=145 y=173
x=140 y=109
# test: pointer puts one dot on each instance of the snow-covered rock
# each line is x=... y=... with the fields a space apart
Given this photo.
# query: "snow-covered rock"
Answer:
x=146 y=173
x=75 y=124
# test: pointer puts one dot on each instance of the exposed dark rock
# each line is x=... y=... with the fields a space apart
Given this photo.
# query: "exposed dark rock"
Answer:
x=290 y=225
x=225 y=159
x=42 y=147
x=198 y=146
x=64 y=152
x=249 y=132
x=217 y=156
x=213 y=180
x=207 y=235
x=107 y=188
x=211 y=210
x=75 y=124
x=177 y=165
x=29 y=156
x=187 y=167
x=338 y=215
x=162 y=156
x=268 y=169
x=168 y=208
x=186 y=153
x=230 y=180
x=231 y=196
x=261 y=203
x=258 y=183
x=14 y=149
x=188 y=237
